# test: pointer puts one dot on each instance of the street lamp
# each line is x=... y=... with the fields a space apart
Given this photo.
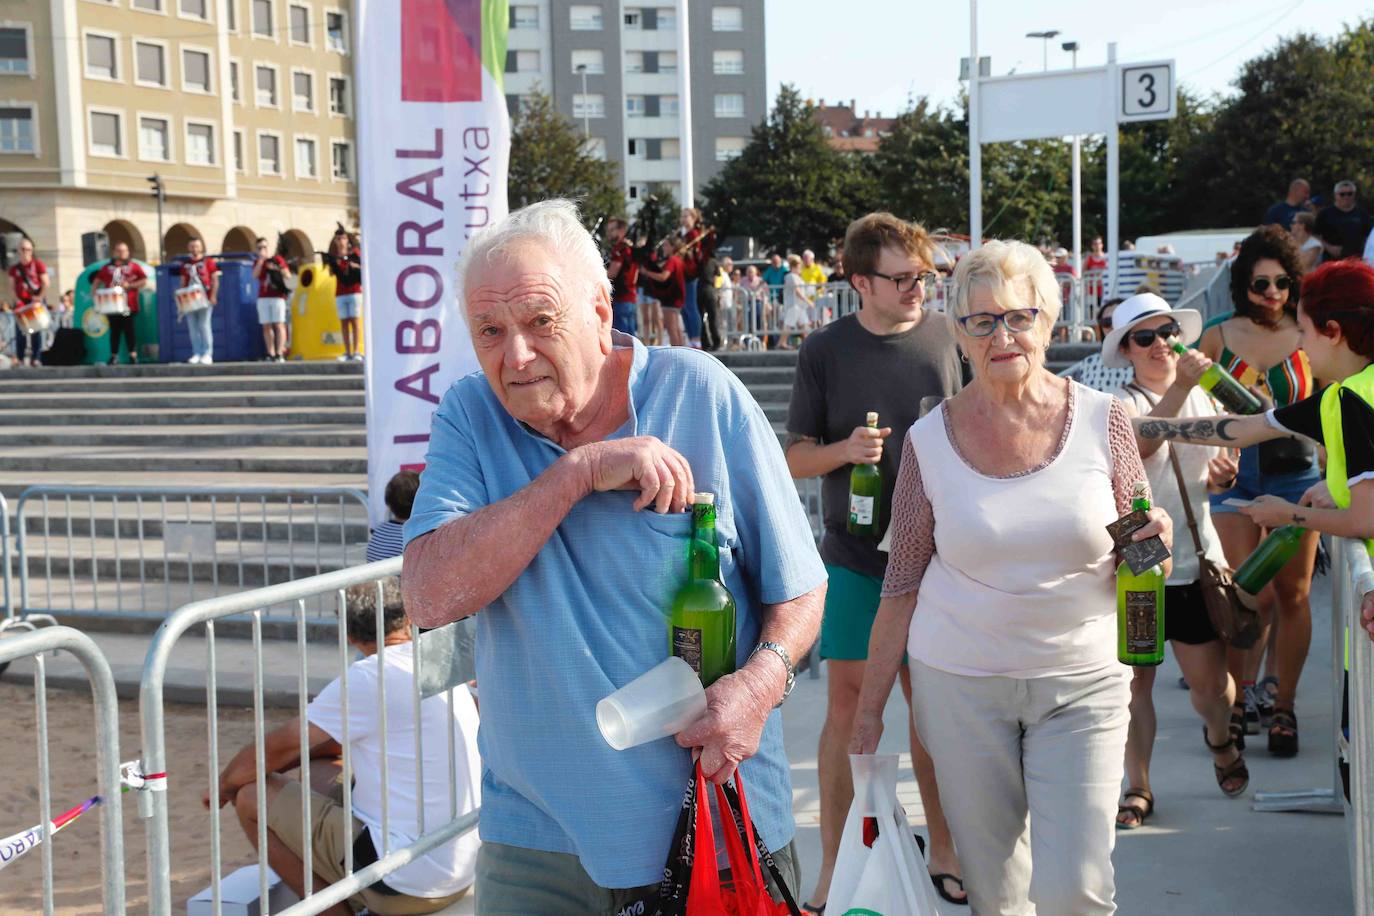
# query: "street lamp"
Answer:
x=586 y=113
x=1045 y=48
x=1072 y=48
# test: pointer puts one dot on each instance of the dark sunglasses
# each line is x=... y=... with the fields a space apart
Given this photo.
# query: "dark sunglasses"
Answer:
x=1260 y=285
x=1145 y=337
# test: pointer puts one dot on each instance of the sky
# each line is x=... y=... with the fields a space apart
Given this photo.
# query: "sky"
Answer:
x=881 y=52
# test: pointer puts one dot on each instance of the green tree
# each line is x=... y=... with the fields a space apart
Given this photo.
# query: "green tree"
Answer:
x=789 y=188
x=549 y=158
x=921 y=167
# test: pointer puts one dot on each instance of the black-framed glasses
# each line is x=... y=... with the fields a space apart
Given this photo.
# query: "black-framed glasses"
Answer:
x=1260 y=285
x=906 y=284
x=1145 y=337
x=982 y=324
x=1345 y=193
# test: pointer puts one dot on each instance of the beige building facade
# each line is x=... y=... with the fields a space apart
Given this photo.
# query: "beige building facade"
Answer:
x=243 y=108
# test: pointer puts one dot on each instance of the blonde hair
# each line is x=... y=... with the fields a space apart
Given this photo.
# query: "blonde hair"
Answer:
x=1011 y=270
x=794 y=261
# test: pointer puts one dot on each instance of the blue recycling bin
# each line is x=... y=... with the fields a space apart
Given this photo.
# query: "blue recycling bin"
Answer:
x=238 y=337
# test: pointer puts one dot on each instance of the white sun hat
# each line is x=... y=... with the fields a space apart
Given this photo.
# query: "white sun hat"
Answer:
x=1136 y=309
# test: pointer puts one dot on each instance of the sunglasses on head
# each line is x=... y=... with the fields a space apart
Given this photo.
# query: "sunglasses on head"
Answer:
x=1260 y=285
x=1145 y=337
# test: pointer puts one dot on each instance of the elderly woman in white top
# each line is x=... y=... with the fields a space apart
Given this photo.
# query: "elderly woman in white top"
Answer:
x=1001 y=588
x=1165 y=385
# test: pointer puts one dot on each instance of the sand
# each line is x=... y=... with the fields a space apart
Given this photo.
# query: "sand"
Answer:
x=76 y=860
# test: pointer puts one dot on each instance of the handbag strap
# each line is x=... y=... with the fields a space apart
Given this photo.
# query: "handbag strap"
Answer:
x=1178 y=475
x=740 y=810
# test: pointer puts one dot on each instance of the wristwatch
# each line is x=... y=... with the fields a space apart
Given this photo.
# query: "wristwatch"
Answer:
x=781 y=653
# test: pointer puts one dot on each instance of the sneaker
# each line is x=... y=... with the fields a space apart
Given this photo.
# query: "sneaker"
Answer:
x=112 y=361
x=357 y=357
x=194 y=360
x=206 y=360
x=344 y=358
x=280 y=358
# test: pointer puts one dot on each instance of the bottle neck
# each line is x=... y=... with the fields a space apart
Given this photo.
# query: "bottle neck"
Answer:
x=1140 y=504
x=704 y=558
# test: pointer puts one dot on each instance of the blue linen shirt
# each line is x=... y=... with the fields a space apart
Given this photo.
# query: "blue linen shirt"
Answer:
x=589 y=613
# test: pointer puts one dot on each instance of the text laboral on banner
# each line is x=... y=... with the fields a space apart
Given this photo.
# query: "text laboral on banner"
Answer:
x=434 y=142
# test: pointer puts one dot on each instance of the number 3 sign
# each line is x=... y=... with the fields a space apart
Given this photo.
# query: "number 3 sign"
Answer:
x=1147 y=92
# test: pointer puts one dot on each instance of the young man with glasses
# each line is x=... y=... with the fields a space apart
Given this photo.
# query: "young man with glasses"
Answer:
x=887 y=358
x=1343 y=226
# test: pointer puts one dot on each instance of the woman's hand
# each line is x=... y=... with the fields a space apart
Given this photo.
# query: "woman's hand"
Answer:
x=868 y=730
x=1189 y=368
x=1271 y=512
x=1161 y=525
x=1222 y=471
x=1318 y=496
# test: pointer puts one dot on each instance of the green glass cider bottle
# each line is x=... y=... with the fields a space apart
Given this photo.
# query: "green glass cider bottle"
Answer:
x=1140 y=605
x=1268 y=558
x=701 y=630
x=1223 y=386
x=865 y=493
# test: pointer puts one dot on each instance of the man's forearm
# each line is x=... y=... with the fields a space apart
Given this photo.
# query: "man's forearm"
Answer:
x=808 y=458
x=1227 y=432
x=792 y=625
x=456 y=570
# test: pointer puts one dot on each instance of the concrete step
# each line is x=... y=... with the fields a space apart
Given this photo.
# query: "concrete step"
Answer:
x=759 y=375
x=113 y=460
x=337 y=521
x=98 y=400
x=198 y=436
x=742 y=358
x=144 y=384
x=167 y=370
x=13 y=483
x=173 y=416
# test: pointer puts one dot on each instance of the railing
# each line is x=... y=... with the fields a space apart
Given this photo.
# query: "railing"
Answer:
x=6 y=583
x=140 y=552
x=1352 y=565
x=433 y=673
x=33 y=645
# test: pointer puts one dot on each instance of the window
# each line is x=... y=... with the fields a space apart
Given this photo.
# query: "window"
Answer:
x=338 y=96
x=635 y=148
x=729 y=104
x=585 y=18
x=239 y=164
x=594 y=61
x=231 y=15
x=524 y=17
x=634 y=61
x=638 y=191
x=194 y=9
x=341 y=157
x=302 y=91
x=634 y=106
x=727 y=19
x=595 y=147
x=100 y=57
x=150 y=64
x=154 y=139
x=14 y=50
x=262 y=18
x=591 y=105
x=200 y=143
x=727 y=62
x=668 y=106
x=269 y=154
x=728 y=148
x=16 y=130
x=634 y=20
x=336 y=32
x=195 y=70
x=522 y=61
x=151 y=6
x=667 y=19
x=106 y=139
x=306 y=167
x=670 y=149
x=235 y=90
x=265 y=79
x=298 y=20
x=667 y=61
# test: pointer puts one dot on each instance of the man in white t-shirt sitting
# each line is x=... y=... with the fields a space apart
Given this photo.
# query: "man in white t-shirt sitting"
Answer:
x=428 y=883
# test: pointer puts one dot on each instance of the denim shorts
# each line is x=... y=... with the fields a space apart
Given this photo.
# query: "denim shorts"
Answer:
x=350 y=305
x=271 y=310
x=1251 y=483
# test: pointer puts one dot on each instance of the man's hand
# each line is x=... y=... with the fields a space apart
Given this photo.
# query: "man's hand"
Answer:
x=728 y=732
x=865 y=445
x=1222 y=471
x=1272 y=511
x=224 y=791
x=660 y=474
x=1318 y=496
x=1189 y=368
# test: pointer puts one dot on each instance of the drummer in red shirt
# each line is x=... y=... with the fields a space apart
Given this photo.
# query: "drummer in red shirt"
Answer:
x=203 y=272
x=670 y=288
x=122 y=273
x=29 y=279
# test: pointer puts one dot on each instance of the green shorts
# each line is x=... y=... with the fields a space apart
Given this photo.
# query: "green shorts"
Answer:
x=851 y=604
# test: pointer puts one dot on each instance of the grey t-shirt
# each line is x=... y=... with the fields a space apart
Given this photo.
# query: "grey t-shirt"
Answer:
x=843 y=372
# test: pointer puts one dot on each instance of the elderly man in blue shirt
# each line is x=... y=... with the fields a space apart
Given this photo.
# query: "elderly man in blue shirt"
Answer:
x=552 y=507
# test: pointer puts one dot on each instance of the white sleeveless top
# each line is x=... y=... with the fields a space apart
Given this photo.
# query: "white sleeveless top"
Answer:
x=1022 y=581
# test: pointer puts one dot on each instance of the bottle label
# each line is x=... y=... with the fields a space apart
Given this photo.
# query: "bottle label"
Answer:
x=687 y=646
x=1142 y=623
x=861 y=509
x=1235 y=399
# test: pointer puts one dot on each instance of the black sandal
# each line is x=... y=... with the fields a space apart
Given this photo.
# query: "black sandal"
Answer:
x=1238 y=725
x=812 y=908
x=940 y=879
x=1236 y=769
x=1283 y=733
x=1141 y=814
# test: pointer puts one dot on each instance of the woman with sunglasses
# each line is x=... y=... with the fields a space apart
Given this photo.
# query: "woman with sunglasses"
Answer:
x=999 y=533
x=1165 y=385
x=1259 y=344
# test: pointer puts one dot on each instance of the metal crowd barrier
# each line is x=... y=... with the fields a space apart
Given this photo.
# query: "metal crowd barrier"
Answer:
x=6 y=583
x=126 y=551
x=33 y=645
x=1359 y=580
x=433 y=673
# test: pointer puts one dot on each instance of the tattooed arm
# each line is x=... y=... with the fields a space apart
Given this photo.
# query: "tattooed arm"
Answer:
x=1355 y=522
x=1228 y=431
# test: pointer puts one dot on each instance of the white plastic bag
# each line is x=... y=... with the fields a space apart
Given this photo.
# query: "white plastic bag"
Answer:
x=889 y=878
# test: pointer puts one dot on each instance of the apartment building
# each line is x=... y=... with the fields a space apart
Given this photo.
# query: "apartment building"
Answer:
x=617 y=68
x=244 y=108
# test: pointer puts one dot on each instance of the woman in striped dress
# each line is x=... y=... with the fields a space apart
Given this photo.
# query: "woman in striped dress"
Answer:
x=1259 y=345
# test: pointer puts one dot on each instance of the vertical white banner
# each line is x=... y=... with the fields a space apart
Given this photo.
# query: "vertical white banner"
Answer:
x=433 y=151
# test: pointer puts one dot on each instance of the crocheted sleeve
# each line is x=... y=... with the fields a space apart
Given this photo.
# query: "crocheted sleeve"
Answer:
x=1127 y=468
x=913 y=528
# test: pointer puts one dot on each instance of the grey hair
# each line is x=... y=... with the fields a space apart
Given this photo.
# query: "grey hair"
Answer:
x=1342 y=185
x=552 y=224
x=1000 y=266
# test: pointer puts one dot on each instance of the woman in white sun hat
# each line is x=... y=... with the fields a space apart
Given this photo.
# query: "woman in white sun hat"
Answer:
x=1144 y=332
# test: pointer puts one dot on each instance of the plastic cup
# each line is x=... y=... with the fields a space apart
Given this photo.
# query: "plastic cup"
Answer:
x=660 y=702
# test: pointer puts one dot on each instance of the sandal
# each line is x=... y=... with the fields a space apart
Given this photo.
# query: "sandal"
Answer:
x=939 y=879
x=1283 y=733
x=1265 y=692
x=1140 y=814
x=1238 y=725
x=813 y=908
x=1236 y=769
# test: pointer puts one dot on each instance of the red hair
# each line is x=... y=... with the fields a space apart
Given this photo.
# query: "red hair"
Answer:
x=1343 y=292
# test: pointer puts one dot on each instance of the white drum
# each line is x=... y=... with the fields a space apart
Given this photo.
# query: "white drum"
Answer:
x=112 y=300
x=191 y=299
x=33 y=318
